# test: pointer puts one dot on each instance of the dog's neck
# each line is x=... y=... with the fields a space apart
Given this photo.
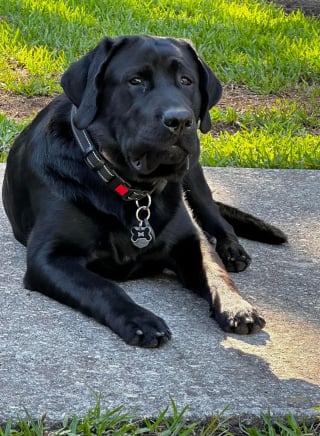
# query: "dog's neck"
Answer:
x=98 y=163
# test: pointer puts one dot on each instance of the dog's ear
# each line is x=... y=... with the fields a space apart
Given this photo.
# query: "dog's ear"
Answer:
x=210 y=89
x=82 y=81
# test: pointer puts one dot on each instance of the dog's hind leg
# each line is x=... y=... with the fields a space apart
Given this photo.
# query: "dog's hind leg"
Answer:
x=250 y=227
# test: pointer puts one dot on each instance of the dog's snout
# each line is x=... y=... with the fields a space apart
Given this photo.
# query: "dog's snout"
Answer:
x=177 y=119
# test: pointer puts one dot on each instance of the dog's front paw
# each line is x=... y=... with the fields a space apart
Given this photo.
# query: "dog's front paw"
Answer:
x=142 y=328
x=242 y=322
x=233 y=255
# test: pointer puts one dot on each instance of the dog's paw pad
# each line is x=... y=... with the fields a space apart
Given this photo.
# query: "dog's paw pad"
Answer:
x=149 y=338
x=233 y=255
x=241 y=323
x=144 y=329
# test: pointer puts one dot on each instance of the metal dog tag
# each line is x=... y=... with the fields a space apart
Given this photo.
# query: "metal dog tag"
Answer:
x=142 y=235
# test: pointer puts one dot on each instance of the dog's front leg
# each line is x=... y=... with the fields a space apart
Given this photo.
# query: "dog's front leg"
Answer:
x=65 y=278
x=207 y=213
x=231 y=311
x=200 y=269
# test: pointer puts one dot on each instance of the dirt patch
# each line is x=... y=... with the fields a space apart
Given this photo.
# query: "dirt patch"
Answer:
x=308 y=7
x=242 y=99
x=19 y=107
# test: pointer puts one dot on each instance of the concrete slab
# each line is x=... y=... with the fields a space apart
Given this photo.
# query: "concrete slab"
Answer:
x=52 y=358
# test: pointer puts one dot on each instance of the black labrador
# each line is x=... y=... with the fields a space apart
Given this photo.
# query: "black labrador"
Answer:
x=96 y=188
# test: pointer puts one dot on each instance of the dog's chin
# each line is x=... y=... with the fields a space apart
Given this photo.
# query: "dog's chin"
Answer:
x=172 y=172
x=170 y=164
x=172 y=167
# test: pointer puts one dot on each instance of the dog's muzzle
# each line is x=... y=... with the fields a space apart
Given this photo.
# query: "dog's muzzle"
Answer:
x=149 y=162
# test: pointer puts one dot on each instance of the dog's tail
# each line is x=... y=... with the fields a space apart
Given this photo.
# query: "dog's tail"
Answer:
x=250 y=227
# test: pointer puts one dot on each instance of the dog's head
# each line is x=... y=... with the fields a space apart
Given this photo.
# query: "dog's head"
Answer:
x=142 y=99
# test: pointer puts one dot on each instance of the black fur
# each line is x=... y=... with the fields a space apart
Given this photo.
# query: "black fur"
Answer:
x=140 y=99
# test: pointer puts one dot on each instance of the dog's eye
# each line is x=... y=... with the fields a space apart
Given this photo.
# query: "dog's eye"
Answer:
x=186 y=81
x=136 y=81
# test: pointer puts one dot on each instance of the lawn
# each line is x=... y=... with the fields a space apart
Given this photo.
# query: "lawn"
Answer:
x=170 y=422
x=249 y=42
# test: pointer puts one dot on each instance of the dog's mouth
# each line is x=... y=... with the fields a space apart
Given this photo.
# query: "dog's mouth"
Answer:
x=160 y=164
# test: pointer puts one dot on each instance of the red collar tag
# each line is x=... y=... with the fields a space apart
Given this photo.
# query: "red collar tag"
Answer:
x=121 y=190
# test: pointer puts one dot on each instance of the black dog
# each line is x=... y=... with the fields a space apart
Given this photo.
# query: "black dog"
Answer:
x=94 y=189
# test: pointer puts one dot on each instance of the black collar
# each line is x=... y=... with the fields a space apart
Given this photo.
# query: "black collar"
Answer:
x=103 y=168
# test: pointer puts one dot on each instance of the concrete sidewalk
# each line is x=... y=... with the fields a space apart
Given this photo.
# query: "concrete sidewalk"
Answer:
x=51 y=357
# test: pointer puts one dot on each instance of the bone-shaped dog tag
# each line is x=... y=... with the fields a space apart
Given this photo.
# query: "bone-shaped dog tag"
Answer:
x=142 y=235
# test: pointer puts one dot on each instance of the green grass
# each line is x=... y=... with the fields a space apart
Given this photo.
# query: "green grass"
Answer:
x=278 y=137
x=248 y=42
x=8 y=131
x=169 y=422
x=282 y=136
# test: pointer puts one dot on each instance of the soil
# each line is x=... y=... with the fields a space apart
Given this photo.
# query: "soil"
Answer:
x=20 y=107
x=308 y=7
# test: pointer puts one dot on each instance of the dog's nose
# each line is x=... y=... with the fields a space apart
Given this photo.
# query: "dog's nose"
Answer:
x=176 y=120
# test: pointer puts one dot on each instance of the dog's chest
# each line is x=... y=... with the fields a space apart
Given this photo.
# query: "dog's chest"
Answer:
x=124 y=245
x=115 y=257
x=117 y=247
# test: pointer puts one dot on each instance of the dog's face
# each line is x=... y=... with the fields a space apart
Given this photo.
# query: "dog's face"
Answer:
x=142 y=98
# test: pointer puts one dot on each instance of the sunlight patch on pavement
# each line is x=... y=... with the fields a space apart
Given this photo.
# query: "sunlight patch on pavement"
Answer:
x=291 y=348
